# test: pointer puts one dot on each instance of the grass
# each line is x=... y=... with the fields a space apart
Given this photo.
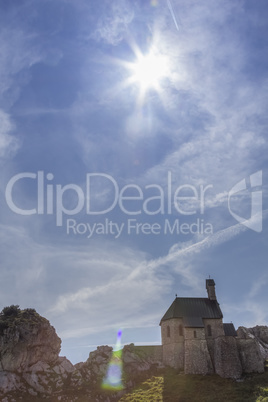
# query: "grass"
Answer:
x=173 y=386
x=149 y=390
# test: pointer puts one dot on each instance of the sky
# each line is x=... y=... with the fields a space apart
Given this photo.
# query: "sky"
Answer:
x=133 y=160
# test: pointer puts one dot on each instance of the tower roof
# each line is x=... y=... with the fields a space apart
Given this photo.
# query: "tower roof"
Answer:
x=210 y=282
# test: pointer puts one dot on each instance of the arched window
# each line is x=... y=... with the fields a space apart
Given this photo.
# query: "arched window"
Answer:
x=168 y=331
x=194 y=334
x=209 y=330
x=180 y=330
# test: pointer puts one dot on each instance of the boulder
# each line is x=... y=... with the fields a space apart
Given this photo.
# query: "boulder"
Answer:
x=250 y=356
x=259 y=334
x=25 y=339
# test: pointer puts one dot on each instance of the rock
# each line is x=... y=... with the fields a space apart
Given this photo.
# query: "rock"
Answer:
x=32 y=392
x=9 y=382
x=39 y=367
x=250 y=356
x=20 y=330
x=63 y=366
x=98 y=361
x=103 y=352
x=259 y=334
x=78 y=366
x=244 y=333
x=34 y=381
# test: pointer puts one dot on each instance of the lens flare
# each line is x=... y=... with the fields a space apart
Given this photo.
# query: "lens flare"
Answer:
x=113 y=378
x=149 y=70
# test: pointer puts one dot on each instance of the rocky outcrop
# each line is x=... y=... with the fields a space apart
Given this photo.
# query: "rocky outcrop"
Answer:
x=250 y=356
x=29 y=354
x=259 y=334
x=25 y=339
x=65 y=381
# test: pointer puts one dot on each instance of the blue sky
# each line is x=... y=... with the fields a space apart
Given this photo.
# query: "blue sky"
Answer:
x=71 y=109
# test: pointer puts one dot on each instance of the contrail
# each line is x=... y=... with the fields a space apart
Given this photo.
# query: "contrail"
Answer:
x=172 y=13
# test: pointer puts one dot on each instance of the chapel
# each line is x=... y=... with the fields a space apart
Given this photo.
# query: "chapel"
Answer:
x=189 y=328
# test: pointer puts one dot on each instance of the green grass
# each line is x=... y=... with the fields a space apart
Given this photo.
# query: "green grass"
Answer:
x=149 y=390
x=173 y=386
x=263 y=397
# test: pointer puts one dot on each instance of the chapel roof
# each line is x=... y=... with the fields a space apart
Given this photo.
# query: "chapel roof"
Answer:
x=229 y=329
x=193 y=310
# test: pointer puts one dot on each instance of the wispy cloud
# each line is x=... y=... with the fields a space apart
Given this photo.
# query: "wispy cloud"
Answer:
x=8 y=143
x=142 y=280
x=125 y=274
x=114 y=21
x=258 y=285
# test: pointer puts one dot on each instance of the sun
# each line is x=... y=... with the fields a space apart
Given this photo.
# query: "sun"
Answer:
x=148 y=71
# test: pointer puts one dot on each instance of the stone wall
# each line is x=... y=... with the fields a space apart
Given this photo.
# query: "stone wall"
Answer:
x=173 y=355
x=226 y=357
x=173 y=345
x=194 y=333
x=216 y=327
x=154 y=352
x=174 y=331
x=197 y=357
x=198 y=353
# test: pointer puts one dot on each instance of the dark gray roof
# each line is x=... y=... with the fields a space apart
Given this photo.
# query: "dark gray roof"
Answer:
x=229 y=329
x=193 y=307
x=193 y=322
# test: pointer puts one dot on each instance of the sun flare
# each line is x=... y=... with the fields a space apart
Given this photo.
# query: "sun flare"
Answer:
x=148 y=71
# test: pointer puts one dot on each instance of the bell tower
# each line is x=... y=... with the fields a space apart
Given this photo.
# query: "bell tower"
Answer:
x=210 y=285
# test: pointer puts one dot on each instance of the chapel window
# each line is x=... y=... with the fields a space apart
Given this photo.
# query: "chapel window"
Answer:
x=180 y=330
x=168 y=331
x=209 y=330
x=195 y=334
